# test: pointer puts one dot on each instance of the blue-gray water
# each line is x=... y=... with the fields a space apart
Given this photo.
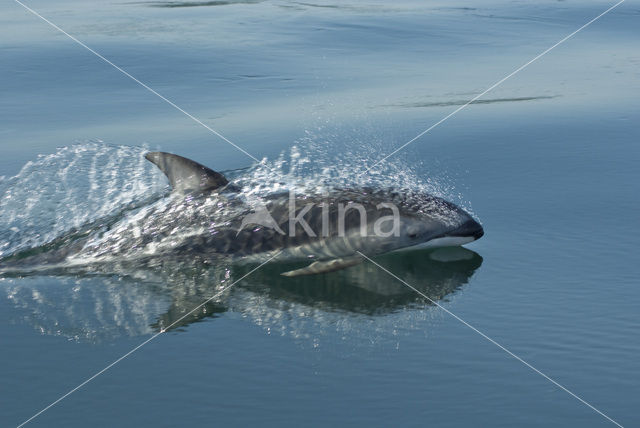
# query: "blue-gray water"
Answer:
x=548 y=163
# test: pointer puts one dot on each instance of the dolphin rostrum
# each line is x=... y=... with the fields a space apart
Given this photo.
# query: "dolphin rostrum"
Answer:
x=207 y=217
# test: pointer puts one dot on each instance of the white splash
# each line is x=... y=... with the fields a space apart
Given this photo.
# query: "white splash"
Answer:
x=69 y=188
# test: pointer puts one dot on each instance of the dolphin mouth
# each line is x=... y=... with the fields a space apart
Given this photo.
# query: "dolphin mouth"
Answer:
x=469 y=229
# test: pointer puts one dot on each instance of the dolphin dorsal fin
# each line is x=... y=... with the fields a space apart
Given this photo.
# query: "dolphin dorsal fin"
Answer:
x=186 y=175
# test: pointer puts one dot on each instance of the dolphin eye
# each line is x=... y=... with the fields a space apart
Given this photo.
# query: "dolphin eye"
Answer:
x=413 y=235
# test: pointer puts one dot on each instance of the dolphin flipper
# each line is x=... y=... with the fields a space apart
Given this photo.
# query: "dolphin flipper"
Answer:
x=186 y=175
x=325 y=266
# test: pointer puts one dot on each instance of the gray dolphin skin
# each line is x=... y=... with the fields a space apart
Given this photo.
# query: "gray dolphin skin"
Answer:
x=327 y=231
x=207 y=218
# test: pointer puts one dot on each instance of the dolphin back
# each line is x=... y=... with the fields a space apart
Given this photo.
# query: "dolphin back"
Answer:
x=186 y=175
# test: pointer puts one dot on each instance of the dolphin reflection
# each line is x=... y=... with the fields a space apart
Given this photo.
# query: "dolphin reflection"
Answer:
x=127 y=300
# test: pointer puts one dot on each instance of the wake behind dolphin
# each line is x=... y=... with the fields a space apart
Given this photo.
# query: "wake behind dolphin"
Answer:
x=209 y=217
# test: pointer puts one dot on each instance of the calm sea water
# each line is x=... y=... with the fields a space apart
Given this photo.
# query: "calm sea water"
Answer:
x=548 y=162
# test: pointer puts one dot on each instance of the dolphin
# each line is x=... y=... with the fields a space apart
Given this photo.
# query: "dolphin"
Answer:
x=323 y=229
x=207 y=217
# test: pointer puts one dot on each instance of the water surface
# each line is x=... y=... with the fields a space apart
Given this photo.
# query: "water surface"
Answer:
x=547 y=162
